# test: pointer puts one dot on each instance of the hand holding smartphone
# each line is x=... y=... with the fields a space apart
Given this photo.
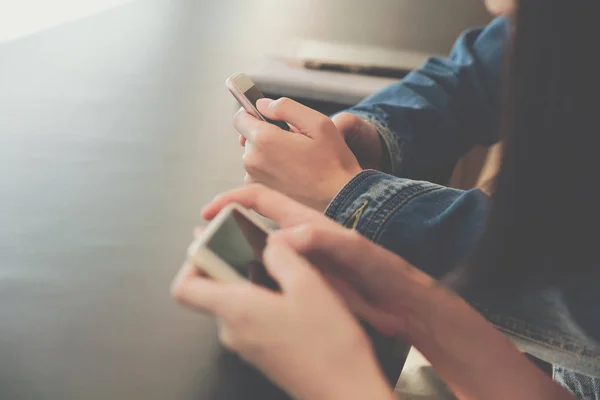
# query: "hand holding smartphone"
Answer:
x=230 y=248
x=247 y=94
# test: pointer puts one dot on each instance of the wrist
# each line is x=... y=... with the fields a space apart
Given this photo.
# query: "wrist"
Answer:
x=387 y=149
x=432 y=305
x=466 y=350
x=334 y=186
x=425 y=303
x=448 y=332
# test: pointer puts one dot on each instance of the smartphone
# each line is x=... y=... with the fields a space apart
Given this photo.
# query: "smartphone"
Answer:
x=247 y=94
x=230 y=248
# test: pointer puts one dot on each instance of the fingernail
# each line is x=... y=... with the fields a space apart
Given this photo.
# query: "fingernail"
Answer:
x=294 y=233
x=198 y=231
x=264 y=102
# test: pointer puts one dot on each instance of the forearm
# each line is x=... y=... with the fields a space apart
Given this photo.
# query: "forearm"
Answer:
x=441 y=110
x=470 y=355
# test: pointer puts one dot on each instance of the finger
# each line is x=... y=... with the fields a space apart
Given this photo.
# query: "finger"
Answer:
x=187 y=273
x=308 y=121
x=198 y=231
x=260 y=133
x=340 y=245
x=193 y=290
x=347 y=124
x=249 y=180
x=287 y=267
x=347 y=292
x=188 y=270
x=241 y=138
x=200 y=294
x=247 y=125
x=269 y=203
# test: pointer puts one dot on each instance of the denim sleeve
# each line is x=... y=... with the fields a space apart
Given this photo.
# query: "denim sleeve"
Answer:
x=440 y=111
x=434 y=228
x=431 y=226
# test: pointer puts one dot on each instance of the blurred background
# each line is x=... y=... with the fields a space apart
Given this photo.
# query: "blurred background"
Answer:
x=426 y=25
x=24 y=17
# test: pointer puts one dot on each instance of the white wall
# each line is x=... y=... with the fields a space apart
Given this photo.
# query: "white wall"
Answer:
x=23 y=17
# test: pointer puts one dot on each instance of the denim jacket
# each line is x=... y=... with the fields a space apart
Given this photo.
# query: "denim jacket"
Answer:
x=427 y=121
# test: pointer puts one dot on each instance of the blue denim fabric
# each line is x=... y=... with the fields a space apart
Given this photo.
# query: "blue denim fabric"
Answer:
x=583 y=387
x=433 y=227
x=431 y=118
x=412 y=217
x=439 y=112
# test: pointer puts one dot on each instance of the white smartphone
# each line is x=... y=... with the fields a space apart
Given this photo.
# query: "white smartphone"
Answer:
x=247 y=94
x=230 y=248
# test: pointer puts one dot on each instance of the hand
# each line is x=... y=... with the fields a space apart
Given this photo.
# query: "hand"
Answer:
x=374 y=282
x=303 y=337
x=311 y=164
x=362 y=138
x=364 y=141
x=394 y=297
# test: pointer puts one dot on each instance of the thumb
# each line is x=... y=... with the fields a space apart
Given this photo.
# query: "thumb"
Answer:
x=350 y=125
x=308 y=121
x=286 y=265
x=364 y=140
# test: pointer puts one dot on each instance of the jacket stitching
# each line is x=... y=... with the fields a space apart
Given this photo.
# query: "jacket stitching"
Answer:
x=566 y=343
x=418 y=191
x=356 y=216
x=383 y=210
x=351 y=189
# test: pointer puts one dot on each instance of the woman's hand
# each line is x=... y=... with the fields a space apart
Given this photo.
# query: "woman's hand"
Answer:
x=364 y=141
x=371 y=279
x=303 y=337
x=473 y=358
x=362 y=138
x=311 y=164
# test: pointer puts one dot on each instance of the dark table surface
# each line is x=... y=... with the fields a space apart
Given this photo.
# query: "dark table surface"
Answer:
x=114 y=131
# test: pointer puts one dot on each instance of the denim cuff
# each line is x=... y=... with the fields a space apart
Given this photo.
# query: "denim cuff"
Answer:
x=391 y=140
x=371 y=198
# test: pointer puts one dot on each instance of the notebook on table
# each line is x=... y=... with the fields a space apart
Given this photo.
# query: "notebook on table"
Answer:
x=332 y=72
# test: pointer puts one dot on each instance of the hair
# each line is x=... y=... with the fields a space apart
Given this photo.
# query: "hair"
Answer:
x=544 y=217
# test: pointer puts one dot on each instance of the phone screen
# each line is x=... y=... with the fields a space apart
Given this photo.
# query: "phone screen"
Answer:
x=253 y=94
x=240 y=243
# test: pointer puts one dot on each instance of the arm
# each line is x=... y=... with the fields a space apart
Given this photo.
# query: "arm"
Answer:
x=440 y=111
x=473 y=358
x=431 y=226
x=427 y=121
x=302 y=336
x=470 y=355
x=435 y=228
